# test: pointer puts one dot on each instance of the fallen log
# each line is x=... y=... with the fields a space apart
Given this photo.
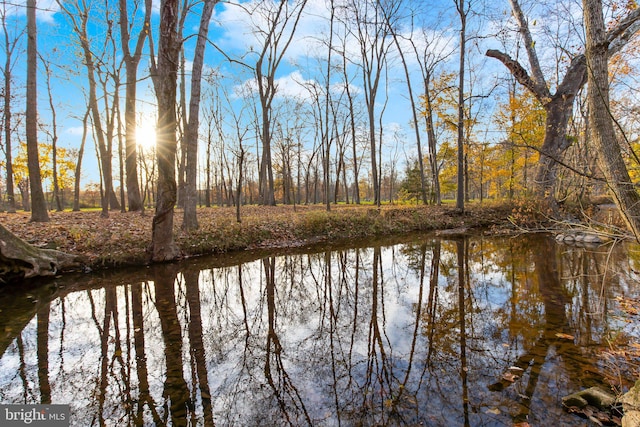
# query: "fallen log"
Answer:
x=20 y=260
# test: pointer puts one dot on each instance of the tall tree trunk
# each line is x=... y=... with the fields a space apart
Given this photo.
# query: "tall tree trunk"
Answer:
x=460 y=197
x=432 y=141
x=414 y=109
x=601 y=130
x=190 y=220
x=39 y=211
x=354 y=133
x=54 y=138
x=9 y=48
x=163 y=246
x=131 y=62
x=78 y=170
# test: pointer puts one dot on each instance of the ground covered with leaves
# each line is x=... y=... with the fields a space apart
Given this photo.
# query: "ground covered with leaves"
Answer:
x=123 y=238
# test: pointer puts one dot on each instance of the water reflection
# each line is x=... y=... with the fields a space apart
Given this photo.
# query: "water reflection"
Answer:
x=478 y=331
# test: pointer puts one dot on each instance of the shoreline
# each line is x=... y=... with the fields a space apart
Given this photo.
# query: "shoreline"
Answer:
x=122 y=239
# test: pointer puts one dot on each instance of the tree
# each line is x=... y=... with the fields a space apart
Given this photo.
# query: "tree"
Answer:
x=412 y=100
x=601 y=125
x=10 y=45
x=79 y=20
x=463 y=7
x=163 y=246
x=39 y=211
x=190 y=220
x=523 y=119
x=559 y=105
x=281 y=25
x=411 y=188
x=131 y=61
x=78 y=168
x=53 y=134
x=373 y=42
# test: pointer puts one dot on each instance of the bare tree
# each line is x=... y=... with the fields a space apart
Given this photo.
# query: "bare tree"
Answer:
x=559 y=105
x=190 y=220
x=463 y=7
x=39 y=211
x=163 y=246
x=601 y=124
x=78 y=14
x=131 y=61
x=374 y=43
x=10 y=46
x=281 y=25
x=53 y=134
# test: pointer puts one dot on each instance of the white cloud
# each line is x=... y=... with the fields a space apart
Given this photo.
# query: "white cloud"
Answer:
x=45 y=9
x=242 y=27
x=293 y=86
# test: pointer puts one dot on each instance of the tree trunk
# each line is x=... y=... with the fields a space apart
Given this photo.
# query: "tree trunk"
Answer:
x=9 y=47
x=432 y=142
x=601 y=130
x=558 y=111
x=131 y=62
x=39 y=211
x=19 y=260
x=460 y=197
x=78 y=170
x=354 y=133
x=163 y=246
x=190 y=220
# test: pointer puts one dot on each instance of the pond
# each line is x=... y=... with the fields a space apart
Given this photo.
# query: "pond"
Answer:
x=485 y=331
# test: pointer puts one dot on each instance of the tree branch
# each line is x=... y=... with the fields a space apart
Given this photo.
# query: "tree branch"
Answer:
x=521 y=75
x=529 y=44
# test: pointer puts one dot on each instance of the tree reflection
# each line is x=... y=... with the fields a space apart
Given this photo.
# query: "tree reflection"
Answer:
x=43 y=353
x=421 y=333
x=556 y=333
x=292 y=407
x=462 y=300
x=196 y=343
x=142 y=372
x=178 y=404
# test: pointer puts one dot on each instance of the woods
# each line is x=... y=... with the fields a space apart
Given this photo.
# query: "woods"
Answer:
x=304 y=102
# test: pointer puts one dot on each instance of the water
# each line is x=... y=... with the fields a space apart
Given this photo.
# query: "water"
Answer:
x=419 y=332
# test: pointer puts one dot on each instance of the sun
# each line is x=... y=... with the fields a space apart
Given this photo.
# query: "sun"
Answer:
x=146 y=136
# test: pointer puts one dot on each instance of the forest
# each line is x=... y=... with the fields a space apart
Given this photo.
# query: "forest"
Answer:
x=193 y=103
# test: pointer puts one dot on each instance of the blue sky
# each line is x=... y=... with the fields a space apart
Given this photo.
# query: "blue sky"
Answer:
x=233 y=31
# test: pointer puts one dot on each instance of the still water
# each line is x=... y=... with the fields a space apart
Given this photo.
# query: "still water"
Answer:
x=421 y=331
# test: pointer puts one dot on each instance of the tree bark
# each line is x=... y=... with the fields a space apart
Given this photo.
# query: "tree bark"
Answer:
x=131 y=62
x=78 y=169
x=601 y=130
x=190 y=219
x=163 y=246
x=39 y=211
x=19 y=260
x=460 y=196
x=9 y=49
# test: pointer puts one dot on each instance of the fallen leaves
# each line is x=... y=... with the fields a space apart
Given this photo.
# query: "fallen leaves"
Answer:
x=628 y=305
x=563 y=336
x=123 y=238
